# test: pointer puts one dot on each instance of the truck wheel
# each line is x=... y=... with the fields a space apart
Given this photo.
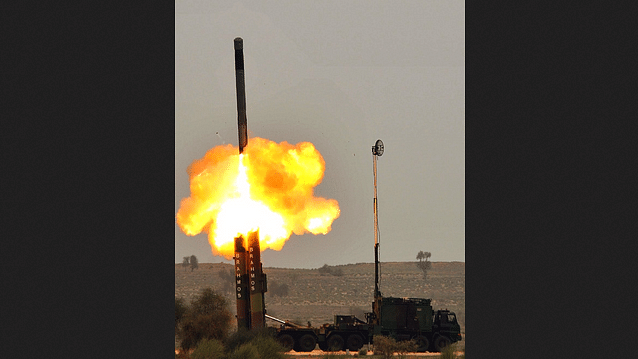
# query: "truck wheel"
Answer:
x=307 y=343
x=286 y=341
x=422 y=343
x=355 y=342
x=335 y=343
x=441 y=342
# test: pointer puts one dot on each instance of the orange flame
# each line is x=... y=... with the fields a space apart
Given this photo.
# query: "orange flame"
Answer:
x=268 y=188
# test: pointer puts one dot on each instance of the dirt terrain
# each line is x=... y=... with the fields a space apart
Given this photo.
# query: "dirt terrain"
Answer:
x=317 y=353
x=316 y=297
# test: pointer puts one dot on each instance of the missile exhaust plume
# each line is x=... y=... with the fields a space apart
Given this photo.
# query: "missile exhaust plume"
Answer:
x=269 y=187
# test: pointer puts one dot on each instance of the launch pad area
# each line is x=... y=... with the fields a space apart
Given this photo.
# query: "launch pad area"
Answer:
x=317 y=298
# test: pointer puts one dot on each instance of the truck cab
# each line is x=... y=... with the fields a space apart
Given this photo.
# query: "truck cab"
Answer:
x=447 y=329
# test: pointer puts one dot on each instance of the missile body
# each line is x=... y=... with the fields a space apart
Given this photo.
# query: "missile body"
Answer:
x=241 y=94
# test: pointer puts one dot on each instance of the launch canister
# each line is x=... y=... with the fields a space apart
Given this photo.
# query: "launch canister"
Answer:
x=241 y=284
x=241 y=94
x=257 y=282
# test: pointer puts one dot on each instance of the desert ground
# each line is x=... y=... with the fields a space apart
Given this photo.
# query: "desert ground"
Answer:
x=315 y=297
x=317 y=353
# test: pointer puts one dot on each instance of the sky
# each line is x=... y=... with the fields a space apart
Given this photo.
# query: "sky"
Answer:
x=339 y=74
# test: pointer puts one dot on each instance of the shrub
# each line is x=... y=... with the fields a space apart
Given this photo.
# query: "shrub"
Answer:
x=262 y=339
x=328 y=270
x=236 y=339
x=209 y=349
x=180 y=309
x=386 y=347
x=404 y=347
x=242 y=336
x=280 y=290
x=208 y=317
x=268 y=347
x=333 y=356
x=448 y=352
x=245 y=351
x=363 y=351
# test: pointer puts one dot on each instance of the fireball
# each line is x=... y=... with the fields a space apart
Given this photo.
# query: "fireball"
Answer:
x=269 y=188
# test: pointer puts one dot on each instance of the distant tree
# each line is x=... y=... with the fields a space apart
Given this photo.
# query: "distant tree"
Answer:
x=185 y=262
x=328 y=270
x=194 y=262
x=280 y=290
x=424 y=263
x=325 y=270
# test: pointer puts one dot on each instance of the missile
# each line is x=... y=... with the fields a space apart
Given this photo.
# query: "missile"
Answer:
x=241 y=94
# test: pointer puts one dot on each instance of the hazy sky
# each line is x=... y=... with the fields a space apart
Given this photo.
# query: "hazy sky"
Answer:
x=340 y=74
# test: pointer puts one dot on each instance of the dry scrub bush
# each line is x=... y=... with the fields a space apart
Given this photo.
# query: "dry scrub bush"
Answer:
x=236 y=339
x=267 y=346
x=208 y=317
x=180 y=310
x=333 y=356
x=208 y=349
x=280 y=290
x=448 y=352
x=328 y=270
x=245 y=351
x=404 y=347
x=386 y=347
